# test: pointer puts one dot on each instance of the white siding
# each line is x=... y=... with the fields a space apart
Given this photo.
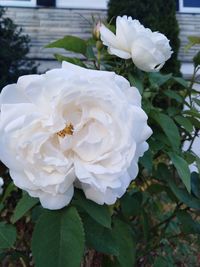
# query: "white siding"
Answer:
x=45 y=25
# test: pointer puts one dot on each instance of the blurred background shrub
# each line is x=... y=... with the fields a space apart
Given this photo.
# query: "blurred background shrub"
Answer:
x=13 y=53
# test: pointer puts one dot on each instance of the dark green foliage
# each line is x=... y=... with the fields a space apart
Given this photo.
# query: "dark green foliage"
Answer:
x=158 y=15
x=14 y=48
x=156 y=223
x=62 y=236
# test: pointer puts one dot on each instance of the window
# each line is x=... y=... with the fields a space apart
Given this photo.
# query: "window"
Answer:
x=191 y=6
x=22 y=3
x=96 y=4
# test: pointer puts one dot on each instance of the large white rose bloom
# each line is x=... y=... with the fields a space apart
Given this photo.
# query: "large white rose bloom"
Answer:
x=72 y=126
x=148 y=50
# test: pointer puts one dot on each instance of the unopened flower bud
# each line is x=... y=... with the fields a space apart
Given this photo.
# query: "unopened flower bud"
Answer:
x=96 y=30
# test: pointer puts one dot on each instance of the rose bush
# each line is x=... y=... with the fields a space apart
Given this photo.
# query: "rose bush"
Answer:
x=79 y=131
x=84 y=128
x=148 y=50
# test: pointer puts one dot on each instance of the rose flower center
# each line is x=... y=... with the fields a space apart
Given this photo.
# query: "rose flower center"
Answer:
x=68 y=130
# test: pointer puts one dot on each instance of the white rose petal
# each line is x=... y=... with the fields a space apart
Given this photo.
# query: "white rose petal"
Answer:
x=148 y=50
x=72 y=127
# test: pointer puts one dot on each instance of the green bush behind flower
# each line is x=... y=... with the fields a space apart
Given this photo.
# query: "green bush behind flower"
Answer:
x=156 y=223
x=13 y=53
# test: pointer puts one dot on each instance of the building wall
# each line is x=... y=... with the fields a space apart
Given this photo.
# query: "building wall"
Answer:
x=45 y=25
x=189 y=25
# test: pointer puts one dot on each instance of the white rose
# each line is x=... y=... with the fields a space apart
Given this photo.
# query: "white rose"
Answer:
x=148 y=50
x=72 y=126
x=1 y=185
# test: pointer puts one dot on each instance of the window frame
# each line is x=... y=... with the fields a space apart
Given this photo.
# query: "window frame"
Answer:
x=83 y=4
x=19 y=3
x=184 y=9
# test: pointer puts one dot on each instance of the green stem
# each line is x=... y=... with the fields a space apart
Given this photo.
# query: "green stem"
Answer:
x=192 y=141
x=191 y=84
x=22 y=262
x=98 y=59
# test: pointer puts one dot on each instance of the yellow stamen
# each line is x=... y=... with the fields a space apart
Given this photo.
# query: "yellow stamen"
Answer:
x=68 y=130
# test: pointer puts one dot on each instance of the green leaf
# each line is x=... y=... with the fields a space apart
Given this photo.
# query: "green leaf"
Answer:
x=160 y=261
x=107 y=262
x=184 y=122
x=195 y=184
x=197 y=101
x=131 y=204
x=188 y=225
x=195 y=122
x=181 y=81
x=174 y=95
x=36 y=212
x=193 y=40
x=184 y=196
x=147 y=161
x=124 y=239
x=73 y=60
x=158 y=78
x=70 y=43
x=182 y=169
x=189 y=156
x=98 y=237
x=99 y=213
x=169 y=128
x=198 y=163
x=9 y=189
x=145 y=225
x=58 y=239
x=7 y=235
x=196 y=59
x=135 y=81
x=23 y=206
x=172 y=111
x=90 y=53
x=161 y=138
x=192 y=112
x=162 y=173
x=156 y=188
x=155 y=145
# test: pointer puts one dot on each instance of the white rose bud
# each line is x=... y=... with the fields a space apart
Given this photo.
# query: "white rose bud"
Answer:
x=72 y=127
x=96 y=30
x=148 y=50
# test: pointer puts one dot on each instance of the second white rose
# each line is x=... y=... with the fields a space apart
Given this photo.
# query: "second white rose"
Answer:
x=148 y=50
